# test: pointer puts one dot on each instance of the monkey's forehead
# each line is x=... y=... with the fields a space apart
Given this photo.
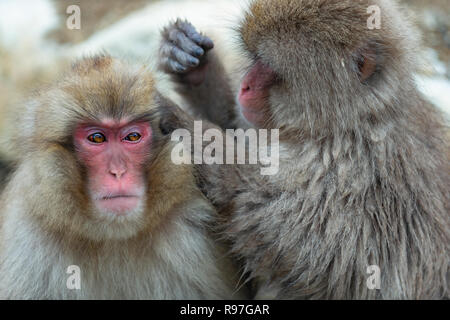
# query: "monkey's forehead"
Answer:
x=307 y=34
x=102 y=85
x=95 y=88
x=336 y=21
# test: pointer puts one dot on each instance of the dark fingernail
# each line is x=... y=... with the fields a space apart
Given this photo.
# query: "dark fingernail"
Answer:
x=209 y=43
x=199 y=52
x=194 y=62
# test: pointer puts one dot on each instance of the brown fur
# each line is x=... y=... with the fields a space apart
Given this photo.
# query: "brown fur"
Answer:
x=47 y=221
x=364 y=173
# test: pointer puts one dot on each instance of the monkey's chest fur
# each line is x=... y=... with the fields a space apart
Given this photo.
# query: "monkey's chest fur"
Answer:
x=334 y=210
x=35 y=265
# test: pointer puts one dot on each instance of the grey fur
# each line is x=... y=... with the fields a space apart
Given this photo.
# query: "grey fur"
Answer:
x=364 y=172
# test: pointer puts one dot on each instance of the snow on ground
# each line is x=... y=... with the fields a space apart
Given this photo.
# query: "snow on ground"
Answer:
x=138 y=34
x=25 y=20
x=437 y=90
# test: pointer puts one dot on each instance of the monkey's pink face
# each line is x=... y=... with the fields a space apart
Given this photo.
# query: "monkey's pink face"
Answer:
x=114 y=154
x=254 y=93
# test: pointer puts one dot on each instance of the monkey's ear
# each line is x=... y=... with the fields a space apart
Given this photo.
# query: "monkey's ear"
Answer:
x=366 y=62
x=171 y=119
x=168 y=122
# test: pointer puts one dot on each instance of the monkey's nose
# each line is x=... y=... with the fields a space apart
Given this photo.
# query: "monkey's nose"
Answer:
x=117 y=172
x=245 y=88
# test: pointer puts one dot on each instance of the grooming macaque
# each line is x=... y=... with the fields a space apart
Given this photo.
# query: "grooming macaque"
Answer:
x=364 y=174
x=96 y=189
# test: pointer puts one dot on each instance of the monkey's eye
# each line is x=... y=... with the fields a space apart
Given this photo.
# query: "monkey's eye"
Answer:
x=133 y=137
x=97 y=137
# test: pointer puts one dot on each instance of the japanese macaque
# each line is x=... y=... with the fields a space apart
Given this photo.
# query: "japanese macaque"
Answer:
x=96 y=193
x=364 y=177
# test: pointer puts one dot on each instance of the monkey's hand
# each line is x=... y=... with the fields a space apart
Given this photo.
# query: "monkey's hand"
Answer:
x=183 y=52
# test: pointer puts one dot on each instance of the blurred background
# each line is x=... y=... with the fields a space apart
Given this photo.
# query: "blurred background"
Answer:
x=36 y=44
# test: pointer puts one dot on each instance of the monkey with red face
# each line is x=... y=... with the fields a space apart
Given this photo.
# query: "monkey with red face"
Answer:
x=364 y=174
x=96 y=189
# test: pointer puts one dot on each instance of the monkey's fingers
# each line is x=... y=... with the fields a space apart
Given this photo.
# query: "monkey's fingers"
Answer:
x=192 y=33
x=171 y=66
x=183 y=58
x=178 y=38
x=175 y=60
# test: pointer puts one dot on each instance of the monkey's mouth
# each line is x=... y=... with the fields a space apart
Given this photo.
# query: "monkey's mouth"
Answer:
x=120 y=204
x=117 y=196
x=254 y=92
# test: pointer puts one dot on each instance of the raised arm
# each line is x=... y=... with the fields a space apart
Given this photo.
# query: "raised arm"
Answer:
x=189 y=58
